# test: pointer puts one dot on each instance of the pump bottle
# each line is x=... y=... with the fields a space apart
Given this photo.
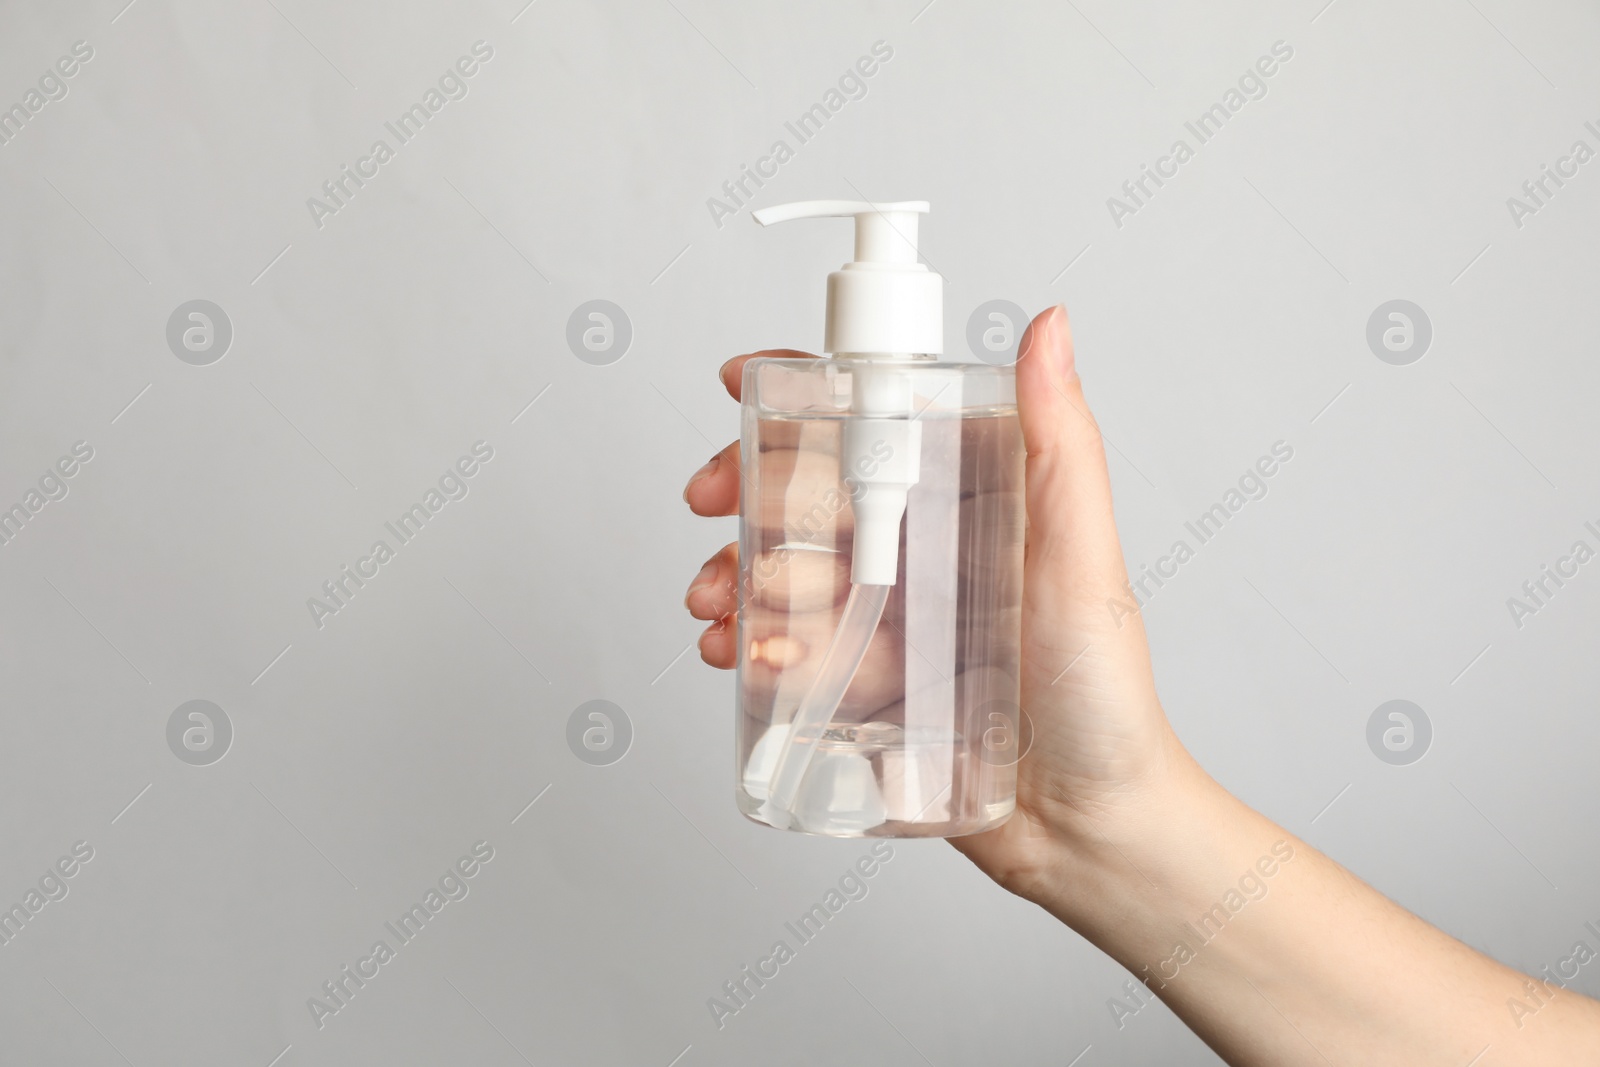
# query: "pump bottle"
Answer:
x=880 y=549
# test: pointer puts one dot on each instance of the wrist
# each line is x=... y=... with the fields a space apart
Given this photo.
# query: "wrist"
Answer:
x=1135 y=877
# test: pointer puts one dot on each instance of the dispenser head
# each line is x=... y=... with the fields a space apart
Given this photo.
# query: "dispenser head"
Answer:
x=885 y=304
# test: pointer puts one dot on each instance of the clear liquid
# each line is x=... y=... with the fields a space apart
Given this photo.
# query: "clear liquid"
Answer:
x=924 y=742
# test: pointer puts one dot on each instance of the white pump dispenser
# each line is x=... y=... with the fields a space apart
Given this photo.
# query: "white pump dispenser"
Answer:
x=884 y=305
x=885 y=309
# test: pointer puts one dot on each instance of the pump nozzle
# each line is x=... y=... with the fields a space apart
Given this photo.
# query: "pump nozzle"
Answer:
x=884 y=304
x=885 y=233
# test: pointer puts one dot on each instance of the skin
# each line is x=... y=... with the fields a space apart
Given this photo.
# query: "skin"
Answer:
x=1121 y=835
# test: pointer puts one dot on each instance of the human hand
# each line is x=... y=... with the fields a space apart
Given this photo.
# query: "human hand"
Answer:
x=1101 y=743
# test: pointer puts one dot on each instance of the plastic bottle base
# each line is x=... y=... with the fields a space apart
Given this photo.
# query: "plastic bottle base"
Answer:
x=757 y=812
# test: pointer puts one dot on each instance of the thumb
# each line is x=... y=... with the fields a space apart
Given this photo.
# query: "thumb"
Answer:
x=1074 y=556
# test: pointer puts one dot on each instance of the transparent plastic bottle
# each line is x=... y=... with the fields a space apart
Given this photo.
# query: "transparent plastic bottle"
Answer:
x=924 y=739
x=881 y=554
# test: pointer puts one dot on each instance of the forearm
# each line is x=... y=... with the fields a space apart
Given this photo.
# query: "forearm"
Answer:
x=1274 y=954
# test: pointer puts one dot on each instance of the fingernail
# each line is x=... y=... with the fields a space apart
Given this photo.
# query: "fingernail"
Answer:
x=1059 y=321
x=727 y=374
x=714 y=630
x=701 y=581
x=779 y=651
x=711 y=466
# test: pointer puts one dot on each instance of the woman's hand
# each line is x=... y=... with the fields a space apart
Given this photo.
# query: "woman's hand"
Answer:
x=1100 y=743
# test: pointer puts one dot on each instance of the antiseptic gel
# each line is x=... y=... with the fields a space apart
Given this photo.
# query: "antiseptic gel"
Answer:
x=880 y=556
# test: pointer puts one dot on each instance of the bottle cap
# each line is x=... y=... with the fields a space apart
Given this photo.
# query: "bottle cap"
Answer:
x=885 y=304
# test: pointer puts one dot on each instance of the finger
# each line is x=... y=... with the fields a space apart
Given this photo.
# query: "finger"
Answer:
x=732 y=372
x=1072 y=532
x=784 y=652
x=713 y=593
x=803 y=496
x=714 y=488
x=717 y=644
x=796 y=579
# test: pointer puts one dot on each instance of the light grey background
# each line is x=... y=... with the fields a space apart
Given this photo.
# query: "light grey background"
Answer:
x=1227 y=314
